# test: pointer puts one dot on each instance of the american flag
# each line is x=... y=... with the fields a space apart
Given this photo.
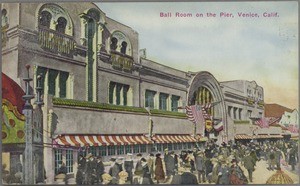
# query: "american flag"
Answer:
x=197 y=113
x=292 y=128
x=262 y=122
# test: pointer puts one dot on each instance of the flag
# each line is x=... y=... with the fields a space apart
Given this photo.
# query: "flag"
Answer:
x=206 y=106
x=218 y=127
x=194 y=113
x=292 y=128
x=262 y=122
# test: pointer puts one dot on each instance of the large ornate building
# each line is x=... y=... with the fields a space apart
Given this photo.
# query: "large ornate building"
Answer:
x=101 y=96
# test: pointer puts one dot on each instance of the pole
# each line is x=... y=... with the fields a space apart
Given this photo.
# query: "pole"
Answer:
x=28 y=113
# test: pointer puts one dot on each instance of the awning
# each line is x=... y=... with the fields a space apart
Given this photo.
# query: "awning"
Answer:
x=100 y=140
x=171 y=138
x=242 y=136
x=266 y=136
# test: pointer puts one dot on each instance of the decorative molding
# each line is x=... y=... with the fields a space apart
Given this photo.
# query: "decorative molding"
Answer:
x=170 y=77
x=53 y=56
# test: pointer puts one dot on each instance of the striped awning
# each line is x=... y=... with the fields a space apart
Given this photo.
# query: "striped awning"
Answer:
x=242 y=136
x=267 y=136
x=171 y=138
x=100 y=140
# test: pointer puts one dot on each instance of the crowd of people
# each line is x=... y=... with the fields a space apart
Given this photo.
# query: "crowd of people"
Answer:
x=212 y=163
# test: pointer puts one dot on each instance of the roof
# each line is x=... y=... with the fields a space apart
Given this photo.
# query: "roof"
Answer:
x=275 y=110
x=12 y=92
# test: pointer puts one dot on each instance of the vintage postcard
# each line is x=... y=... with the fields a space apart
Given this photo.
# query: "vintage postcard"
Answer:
x=135 y=93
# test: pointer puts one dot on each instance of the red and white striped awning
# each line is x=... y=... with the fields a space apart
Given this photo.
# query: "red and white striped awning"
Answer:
x=171 y=138
x=266 y=136
x=100 y=140
x=242 y=136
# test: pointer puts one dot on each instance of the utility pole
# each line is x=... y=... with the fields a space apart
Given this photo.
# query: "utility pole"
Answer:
x=28 y=113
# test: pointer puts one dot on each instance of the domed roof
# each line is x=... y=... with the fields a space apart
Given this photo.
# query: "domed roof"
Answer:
x=279 y=178
x=12 y=92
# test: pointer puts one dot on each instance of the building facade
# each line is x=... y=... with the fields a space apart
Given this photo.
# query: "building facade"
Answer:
x=102 y=97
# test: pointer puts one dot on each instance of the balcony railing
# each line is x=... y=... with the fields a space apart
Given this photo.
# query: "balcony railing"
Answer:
x=121 y=61
x=56 y=42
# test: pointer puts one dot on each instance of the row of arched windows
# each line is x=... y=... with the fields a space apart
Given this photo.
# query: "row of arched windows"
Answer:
x=53 y=17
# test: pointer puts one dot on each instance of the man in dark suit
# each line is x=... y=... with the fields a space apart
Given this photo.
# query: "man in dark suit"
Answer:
x=188 y=178
x=99 y=170
x=114 y=171
x=249 y=164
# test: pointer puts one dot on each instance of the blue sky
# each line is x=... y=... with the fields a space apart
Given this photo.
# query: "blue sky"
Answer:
x=264 y=49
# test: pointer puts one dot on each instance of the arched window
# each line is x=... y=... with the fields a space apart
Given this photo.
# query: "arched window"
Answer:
x=55 y=18
x=114 y=42
x=120 y=43
x=61 y=25
x=45 y=19
x=123 y=48
x=94 y=13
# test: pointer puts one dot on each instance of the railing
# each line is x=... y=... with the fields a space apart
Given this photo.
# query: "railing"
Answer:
x=121 y=61
x=56 y=42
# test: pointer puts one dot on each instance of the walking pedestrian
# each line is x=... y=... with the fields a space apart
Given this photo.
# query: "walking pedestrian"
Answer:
x=200 y=166
x=249 y=164
x=159 y=171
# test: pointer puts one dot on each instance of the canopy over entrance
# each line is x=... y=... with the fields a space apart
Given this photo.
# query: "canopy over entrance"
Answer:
x=13 y=121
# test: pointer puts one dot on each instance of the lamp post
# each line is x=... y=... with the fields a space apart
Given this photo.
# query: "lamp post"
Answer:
x=28 y=113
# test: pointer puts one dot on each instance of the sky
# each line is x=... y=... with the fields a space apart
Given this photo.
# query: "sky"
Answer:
x=263 y=49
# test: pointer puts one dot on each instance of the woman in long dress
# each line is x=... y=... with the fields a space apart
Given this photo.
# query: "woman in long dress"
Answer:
x=237 y=176
x=159 y=171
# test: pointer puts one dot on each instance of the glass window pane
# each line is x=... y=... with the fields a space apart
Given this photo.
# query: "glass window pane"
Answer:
x=111 y=92
x=69 y=161
x=118 y=94
x=102 y=151
x=52 y=81
x=57 y=159
x=174 y=103
x=63 y=77
x=125 y=91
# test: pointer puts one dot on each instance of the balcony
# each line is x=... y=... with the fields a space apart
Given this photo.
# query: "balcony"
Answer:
x=121 y=61
x=56 y=42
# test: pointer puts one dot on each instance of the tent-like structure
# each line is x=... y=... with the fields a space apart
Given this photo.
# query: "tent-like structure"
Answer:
x=13 y=121
x=280 y=178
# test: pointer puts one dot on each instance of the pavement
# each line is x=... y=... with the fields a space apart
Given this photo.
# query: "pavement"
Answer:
x=262 y=174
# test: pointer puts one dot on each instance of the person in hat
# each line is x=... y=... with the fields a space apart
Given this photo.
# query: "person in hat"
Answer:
x=146 y=170
x=150 y=162
x=139 y=179
x=63 y=171
x=170 y=164
x=128 y=166
x=237 y=176
x=159 y=171
x=176 y=179
x=90 y=173
x=99 y=169
x=80 y=170
x=223 y=172
x=114 y=171
x=249 y=164
x=138 y=166
x=200 y=166
x=191 y=160
x=188 y=178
